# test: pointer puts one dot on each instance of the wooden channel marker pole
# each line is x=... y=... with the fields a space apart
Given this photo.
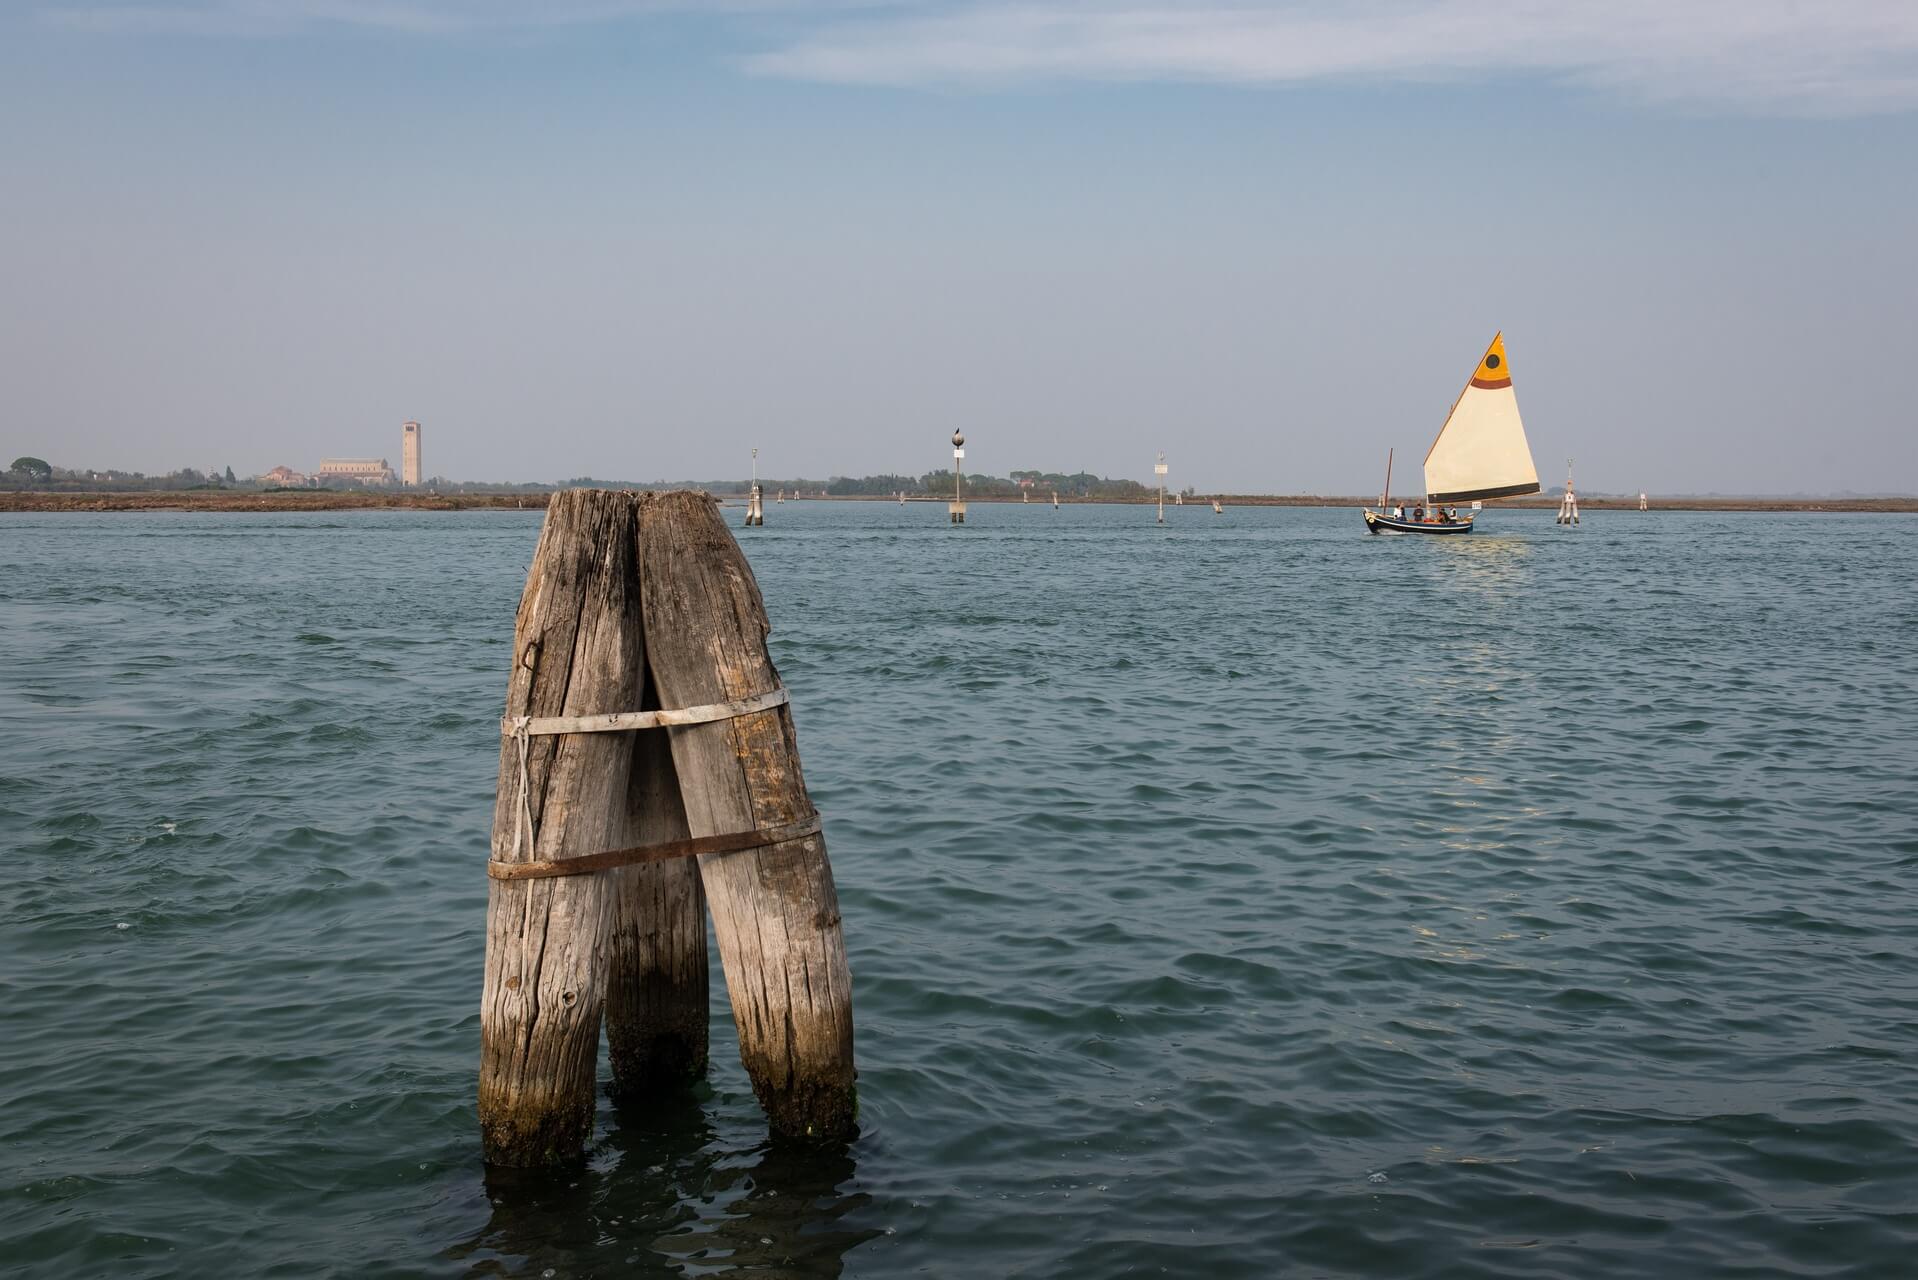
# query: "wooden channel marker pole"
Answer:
x=755 y=509
x=1568 y=506
x=957 y=511
x=611 y=832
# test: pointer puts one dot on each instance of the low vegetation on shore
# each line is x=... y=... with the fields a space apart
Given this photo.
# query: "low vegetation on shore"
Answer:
x=32 y=484
x=285 y=500
x=267 y=500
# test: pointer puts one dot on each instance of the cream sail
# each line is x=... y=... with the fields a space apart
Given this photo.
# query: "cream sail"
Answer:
x=1481 y=451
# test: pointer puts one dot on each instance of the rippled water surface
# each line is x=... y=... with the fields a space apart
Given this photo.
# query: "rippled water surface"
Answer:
x=1233 y=898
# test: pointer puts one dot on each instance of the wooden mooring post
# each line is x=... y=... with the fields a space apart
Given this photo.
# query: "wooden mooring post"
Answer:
x=775 y=910
x=1568 y=505
x=649 y=766
x=956 y=512
x=755 y=508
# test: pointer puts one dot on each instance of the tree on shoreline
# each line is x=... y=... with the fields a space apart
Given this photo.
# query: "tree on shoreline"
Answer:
x=32 y=468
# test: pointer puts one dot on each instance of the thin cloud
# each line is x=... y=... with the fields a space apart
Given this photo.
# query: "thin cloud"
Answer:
x=1847 y=57
x=1792 y=57
x=423 y=17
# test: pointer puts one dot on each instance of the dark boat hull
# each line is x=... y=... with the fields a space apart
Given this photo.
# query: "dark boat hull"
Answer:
x=1376 y=522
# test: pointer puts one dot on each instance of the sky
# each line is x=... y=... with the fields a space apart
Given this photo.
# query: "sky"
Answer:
x=636 y=239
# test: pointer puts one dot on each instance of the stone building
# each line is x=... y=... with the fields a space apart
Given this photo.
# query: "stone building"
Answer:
x=355 y=471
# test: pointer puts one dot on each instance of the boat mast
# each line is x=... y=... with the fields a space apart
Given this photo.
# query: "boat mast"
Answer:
x=1387 y=495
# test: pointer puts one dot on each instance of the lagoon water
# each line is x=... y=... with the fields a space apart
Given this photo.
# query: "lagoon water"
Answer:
x=1243 y=897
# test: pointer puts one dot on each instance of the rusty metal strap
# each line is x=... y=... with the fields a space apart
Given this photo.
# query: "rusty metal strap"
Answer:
x=732 y=842
x=522 y=729
x=621 y=721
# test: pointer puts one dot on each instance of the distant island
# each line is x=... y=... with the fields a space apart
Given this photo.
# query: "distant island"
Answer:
x=29 y=474
x=32 y=484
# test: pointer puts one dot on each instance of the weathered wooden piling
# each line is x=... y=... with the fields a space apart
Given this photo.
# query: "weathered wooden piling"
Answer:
x=657 y=1000
x=956 y=509
x=648 y=767
x=1568 y=505
x=775 y=910
x=577 y=650
x=755 y=508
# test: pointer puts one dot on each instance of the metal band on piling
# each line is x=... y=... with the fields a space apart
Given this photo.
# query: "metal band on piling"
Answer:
x=521 y=729
x=621 y=721
x=734 y=842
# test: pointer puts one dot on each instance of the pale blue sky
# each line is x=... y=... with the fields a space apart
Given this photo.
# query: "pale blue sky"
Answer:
x=637 y=239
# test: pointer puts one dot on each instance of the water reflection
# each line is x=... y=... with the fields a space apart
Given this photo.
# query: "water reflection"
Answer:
x=1492 y=567
x=664 y=1196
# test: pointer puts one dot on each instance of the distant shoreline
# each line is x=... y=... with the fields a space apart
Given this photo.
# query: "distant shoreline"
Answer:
x=271 y=501
x=295 y=501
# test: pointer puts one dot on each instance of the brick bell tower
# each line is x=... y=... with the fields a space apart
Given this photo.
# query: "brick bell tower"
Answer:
x=410 y=453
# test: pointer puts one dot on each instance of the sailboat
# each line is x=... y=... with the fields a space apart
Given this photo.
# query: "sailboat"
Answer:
x=1481 y=452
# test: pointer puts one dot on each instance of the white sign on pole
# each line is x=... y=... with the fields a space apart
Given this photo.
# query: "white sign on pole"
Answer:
x=1159 y=469
x=958 y=453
